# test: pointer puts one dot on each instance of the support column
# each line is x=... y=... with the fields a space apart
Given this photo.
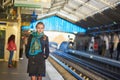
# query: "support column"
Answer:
x=13 y=28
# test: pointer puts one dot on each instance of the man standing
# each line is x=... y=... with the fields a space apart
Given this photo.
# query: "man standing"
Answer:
x=118 y=50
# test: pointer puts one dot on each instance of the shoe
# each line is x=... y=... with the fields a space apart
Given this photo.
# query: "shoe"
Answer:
x=21 y=58
x=10 y=66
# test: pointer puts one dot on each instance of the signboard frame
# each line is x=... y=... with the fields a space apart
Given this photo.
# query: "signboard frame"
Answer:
x=33 y=3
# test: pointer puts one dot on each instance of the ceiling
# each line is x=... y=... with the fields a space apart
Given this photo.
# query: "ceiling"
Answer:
x=85 y=13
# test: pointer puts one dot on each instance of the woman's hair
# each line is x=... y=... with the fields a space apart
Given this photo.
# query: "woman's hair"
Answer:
x=40 y=23
x=12 y=37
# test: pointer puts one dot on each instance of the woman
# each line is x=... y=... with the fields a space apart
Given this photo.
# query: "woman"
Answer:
x=11 y=46
x=22 y=42
x=37 y=50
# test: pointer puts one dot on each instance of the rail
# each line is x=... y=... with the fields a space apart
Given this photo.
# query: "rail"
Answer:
x=87 y=64
x=67 y=68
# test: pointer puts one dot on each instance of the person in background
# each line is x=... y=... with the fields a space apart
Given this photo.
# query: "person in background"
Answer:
x=100 y=42
x=118 y=50
x=37 y=51
x=111 y=49
x=95 y=46
x=85 y=45
x=21 y=47
x=103 y=48
x=11 y=47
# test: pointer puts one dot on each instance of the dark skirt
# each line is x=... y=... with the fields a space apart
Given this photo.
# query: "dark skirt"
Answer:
x=36 y=65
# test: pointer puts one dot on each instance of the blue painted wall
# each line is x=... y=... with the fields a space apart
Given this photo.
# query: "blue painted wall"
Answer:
x=55 y=23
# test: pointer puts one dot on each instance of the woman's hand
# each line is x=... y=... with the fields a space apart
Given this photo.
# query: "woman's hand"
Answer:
x=44 y=56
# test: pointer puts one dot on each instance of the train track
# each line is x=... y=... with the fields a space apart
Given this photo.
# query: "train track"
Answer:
x=84 y=69
x=82 y=73
x=87 y=66
x=74 y=69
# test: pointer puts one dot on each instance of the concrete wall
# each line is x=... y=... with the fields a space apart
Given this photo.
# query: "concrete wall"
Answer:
x=59 y=37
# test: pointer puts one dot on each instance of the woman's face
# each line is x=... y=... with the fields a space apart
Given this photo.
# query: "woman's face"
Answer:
x=40 y=28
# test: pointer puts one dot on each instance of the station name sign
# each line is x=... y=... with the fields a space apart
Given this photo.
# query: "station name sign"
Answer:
x=33 y=3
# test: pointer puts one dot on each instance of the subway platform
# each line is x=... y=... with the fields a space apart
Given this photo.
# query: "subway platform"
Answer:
x=20 y=72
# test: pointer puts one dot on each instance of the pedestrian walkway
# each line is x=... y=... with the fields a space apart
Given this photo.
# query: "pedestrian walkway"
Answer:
x=20 y=73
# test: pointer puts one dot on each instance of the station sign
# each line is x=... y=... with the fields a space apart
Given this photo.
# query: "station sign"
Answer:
x=33 y=3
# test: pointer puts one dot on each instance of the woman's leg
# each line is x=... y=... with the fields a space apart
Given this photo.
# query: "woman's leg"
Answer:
x=39 y=78
x=33 y=77
x=10 y=58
